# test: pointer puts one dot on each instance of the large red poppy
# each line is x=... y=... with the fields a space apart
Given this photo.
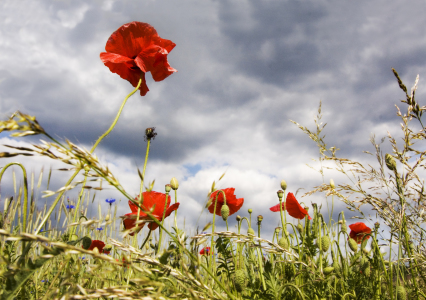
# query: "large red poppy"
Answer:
x=294 y=208
x=97 y=244
x=153 y=202
x=358 y=230
x=233 y=203
x=136 y=47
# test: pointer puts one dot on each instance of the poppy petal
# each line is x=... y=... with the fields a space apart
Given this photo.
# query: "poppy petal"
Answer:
x=169 y=210
x=233 y=203
x=294 y=208
x=277 y=207
x=129 y=222
x=131 y=38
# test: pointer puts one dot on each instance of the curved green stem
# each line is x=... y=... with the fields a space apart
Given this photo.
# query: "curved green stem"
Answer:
x=146 y=239
x=296 y=288
x=117 y=116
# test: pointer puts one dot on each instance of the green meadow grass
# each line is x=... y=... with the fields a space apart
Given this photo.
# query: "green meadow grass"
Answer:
x=43 y=254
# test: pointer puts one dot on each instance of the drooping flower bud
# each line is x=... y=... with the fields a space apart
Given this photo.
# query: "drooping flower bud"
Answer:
x=250 y=231
x=168 y=188
x=283 y=184
x=401 y=293
x=328 y=271
x=174 y=183
x=353 y=245
x=299 y=228
x=224 y=211
x=240 y=280
x=390 y=162
x=283 y=243
x=325 y=243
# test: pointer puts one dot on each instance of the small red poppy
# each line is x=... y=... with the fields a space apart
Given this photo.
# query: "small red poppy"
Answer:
x=294 y=208
x=205 y=251
x=358 y=230
x=97 y=244
x=136 y=47
x=153 y=202
x=233 y=203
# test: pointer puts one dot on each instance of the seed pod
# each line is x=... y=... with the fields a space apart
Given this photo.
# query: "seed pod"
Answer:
x=353 y=245
x=250 y=231
x=224 y=211
x=107 y=218
x=283 y=243
x=390 y=162
x=401 y=293
x=168 y=188
x=86 y=242
x=240 y=280
x=328 y=270
x=325 y=243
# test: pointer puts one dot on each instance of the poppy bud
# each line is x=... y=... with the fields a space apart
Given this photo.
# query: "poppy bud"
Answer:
x=238 y=218
x=299 y=228
x=73 y=237
x=107 y=218
x=168 y=188
x=328 y=271
x=250 y=210
x=344 y=228
x=150 y=133
x=96 y=250
x=283 y=243
x=174 y=183
x=325 y=243
x=332 y=184
x=401 y=293
x=280 y=194
x=390 y=162
x=240 y=280
x=353 y=245
x=283 y=184
x=224 y=211
x=250 y=231
x=87 y=241
x=259 y=218
x=365 y=251
x=277 y=229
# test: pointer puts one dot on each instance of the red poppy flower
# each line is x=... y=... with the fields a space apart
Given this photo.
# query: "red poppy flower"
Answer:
x=358 y=230
x=205 y=251
x=136 y=47
x=153 y=202
x=97 y=244
x=294 y=208
x=231 y=200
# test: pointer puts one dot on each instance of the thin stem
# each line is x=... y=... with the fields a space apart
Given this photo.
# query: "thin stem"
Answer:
x=162 y=221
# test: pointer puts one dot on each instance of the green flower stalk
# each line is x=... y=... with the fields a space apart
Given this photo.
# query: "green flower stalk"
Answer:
x=175 y=185
x=168 y=188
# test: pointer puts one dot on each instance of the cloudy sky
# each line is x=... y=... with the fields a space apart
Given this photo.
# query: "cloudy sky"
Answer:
x=245 y=68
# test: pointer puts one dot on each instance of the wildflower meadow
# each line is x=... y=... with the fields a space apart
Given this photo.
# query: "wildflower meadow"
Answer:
x=310 y=256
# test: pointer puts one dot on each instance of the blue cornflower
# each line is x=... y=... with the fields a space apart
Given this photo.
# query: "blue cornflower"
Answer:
x=110 y=201
x=100 y=228
x=82 y=257
x=44 y=280
x=70 y=206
